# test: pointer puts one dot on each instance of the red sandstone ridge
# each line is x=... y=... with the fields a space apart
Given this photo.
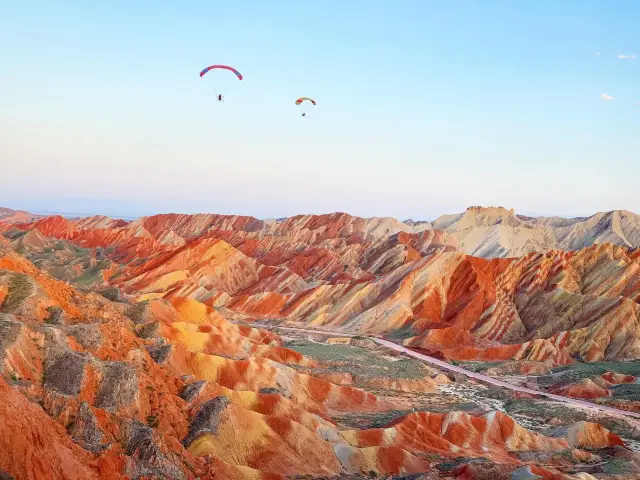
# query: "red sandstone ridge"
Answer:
x=494 y=434
x=33 y=445
x=586 y=389
x=586 y=434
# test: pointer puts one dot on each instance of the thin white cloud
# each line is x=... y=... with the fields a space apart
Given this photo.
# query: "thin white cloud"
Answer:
x=597 y=54
x=606 y=97
x=623 y=56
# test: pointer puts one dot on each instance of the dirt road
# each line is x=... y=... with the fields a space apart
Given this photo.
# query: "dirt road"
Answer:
x=453 y=368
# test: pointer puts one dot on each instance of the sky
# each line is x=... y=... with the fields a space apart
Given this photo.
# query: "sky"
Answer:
x=423 y=107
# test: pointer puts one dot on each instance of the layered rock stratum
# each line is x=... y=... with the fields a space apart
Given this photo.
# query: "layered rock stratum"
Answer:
x=146 y=349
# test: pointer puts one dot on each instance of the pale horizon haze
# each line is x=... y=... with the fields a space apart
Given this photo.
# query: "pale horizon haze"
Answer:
x=423 y=107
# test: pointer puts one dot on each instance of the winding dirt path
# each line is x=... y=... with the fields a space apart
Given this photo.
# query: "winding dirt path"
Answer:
x=453 y=368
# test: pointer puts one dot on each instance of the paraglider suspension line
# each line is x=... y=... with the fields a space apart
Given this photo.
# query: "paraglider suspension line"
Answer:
x=220 y=94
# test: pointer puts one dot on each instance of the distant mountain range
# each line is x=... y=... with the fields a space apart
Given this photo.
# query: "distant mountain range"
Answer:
x=9 y=215
x=498 y=232
x=487 y=232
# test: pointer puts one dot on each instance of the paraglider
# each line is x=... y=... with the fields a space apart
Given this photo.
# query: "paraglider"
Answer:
x=302 y=99
x=221 y=67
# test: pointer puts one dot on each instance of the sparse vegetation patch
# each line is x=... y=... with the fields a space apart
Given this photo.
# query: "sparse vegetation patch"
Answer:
x=19 y=289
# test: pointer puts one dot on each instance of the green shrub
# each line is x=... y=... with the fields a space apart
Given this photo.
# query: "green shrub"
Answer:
x=137 y=312
x=55 y=315
x=112 y=294
x=153 y=421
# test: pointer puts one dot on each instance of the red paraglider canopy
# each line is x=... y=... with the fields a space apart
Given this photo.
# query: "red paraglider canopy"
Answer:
x=225 y=67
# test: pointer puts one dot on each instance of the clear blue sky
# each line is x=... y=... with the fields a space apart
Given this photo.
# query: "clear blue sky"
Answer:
x=424 y=107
